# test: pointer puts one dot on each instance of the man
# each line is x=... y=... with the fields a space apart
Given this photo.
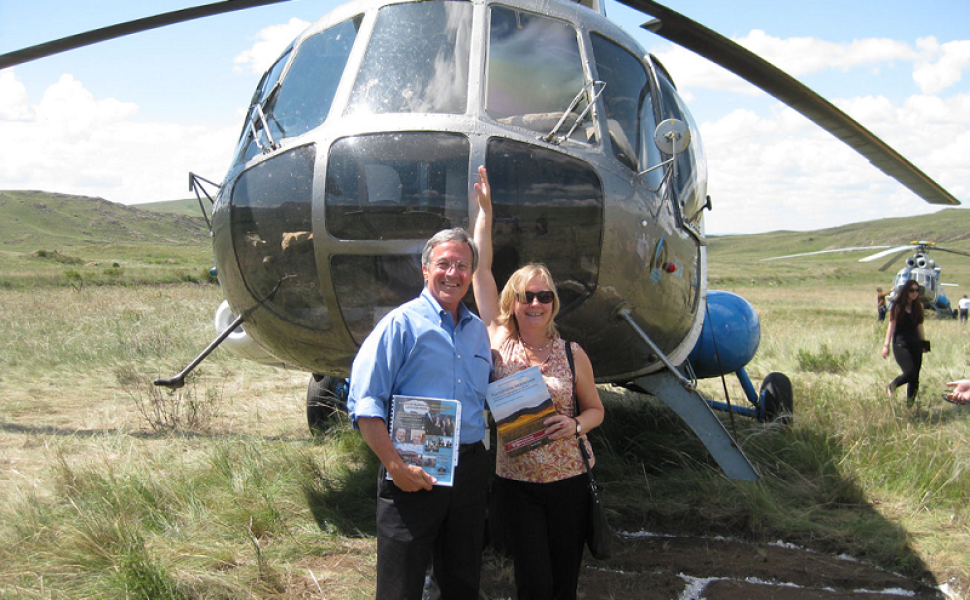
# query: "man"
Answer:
x=432 y=346
x=881 y=304
x=964 y=306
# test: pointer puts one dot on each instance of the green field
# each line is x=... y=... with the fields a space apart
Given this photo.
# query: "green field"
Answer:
x=112 y=489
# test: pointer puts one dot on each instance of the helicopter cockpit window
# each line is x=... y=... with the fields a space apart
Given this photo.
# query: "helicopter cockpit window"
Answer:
x=416 y=60
x=307 y=91
x=272 y=235
x=545 y=201
x=691 y=184
x=394 y=186
x=533 y=73
x=625 y=97
x=248 y=146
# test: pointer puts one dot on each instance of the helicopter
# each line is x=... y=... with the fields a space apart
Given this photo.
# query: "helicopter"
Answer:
x=918 y=267
x=362 y=140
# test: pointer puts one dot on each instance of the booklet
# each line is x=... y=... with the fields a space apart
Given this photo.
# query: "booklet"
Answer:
x=519 y=404
x=425 y=433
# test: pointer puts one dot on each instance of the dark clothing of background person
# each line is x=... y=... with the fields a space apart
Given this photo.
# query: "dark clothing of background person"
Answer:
x=908 y=352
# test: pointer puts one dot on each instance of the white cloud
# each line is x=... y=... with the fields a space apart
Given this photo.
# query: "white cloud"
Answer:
x=944 y=65
x=779 y=171
x=271 y=43
x=13 y=97
x=795 y=56
x=72 y=143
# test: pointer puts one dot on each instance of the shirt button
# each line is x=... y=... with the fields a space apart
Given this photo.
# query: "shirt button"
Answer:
x=459 y=356
x=459 y=381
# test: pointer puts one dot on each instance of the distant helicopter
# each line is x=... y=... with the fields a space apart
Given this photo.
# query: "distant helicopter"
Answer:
x=363 y=138
x=919 y=268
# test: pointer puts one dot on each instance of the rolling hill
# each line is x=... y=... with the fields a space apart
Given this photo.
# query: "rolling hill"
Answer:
x=31 y=220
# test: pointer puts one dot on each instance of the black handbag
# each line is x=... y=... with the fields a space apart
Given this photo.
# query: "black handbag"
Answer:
x=600 y=536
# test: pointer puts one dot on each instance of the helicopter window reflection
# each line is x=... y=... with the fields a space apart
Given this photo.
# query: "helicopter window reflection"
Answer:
x=545 y=201
x=307 y=92
x=416 y=61
x=272 y=235
x=396 y=185
x=534 y=71
x=368 y=287
x=691 y=165
x=627 y=88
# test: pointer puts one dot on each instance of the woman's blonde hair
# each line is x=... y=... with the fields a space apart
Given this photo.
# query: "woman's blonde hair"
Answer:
x=516 y=285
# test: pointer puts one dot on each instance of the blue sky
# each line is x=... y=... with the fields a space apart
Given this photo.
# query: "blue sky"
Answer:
x=127 y=119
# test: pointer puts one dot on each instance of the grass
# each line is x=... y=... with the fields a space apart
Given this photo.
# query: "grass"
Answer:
x=98 y=500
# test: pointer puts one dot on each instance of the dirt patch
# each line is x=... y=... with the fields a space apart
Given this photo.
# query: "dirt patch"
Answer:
x=688 y=568
x=666 y=568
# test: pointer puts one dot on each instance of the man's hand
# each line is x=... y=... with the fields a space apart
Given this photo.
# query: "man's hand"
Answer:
x=411 y=478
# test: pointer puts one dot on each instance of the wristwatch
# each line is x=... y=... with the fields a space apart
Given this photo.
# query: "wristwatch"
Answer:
x=579 y=427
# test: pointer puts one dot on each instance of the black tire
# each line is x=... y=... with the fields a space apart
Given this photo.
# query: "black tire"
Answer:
x=326 y=401
x=778 y=398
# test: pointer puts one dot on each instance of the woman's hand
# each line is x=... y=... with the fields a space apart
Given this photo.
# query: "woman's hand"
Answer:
x=560 y=427
x=885 y=351
x=483 y=192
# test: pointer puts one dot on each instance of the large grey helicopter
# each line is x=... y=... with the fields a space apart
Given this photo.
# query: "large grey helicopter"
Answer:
x=919 y=267
x=363 y=138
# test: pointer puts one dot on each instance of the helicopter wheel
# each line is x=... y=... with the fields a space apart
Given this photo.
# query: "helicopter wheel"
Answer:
x=326 y=401
x=779 y=404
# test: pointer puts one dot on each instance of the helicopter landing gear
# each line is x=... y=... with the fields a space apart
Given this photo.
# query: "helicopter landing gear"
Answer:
x=778 y=404
x=326 y=400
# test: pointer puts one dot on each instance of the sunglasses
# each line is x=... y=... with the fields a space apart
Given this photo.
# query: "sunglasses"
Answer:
x=911 y=290
x=527 y=297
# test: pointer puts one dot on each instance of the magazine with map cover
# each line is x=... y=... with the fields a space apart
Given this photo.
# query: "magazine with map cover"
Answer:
x=520 y=403
x=425 y=433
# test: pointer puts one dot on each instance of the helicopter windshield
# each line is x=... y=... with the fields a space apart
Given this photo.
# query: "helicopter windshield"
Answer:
x=273 y=237
x=416 y=60
x=534 y=71
x=302 y=100
x=393 y=186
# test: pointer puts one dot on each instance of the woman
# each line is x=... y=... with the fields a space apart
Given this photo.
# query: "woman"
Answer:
x=543 y=494
x=905 y=333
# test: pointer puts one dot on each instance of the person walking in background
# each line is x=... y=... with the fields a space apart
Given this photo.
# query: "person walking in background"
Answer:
x=881 y=304
x=543 y=494
x=905 y=335
x=432 y=346
x=964 y=306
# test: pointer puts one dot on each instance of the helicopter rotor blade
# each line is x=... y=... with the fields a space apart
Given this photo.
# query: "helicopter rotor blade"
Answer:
x=122 y=29
x=742 y=62
x=891 y=250
x=950 y=250
x=855 y=249
x=894 y=253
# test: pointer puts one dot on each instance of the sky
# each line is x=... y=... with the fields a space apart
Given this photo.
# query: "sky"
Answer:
x=126 y=120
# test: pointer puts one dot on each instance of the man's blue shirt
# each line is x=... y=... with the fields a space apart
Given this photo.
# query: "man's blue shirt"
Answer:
x=417 y=350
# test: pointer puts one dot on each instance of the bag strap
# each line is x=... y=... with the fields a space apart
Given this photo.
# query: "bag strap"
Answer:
x=579 y=437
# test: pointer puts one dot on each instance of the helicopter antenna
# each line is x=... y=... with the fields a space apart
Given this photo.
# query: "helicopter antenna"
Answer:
x=178 y=381
x=195 y=185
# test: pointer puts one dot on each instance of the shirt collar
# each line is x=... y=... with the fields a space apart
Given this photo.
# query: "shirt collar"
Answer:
x=463 y=313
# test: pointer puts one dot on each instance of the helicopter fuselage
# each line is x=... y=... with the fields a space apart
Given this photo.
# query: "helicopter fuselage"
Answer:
x=364 y=138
